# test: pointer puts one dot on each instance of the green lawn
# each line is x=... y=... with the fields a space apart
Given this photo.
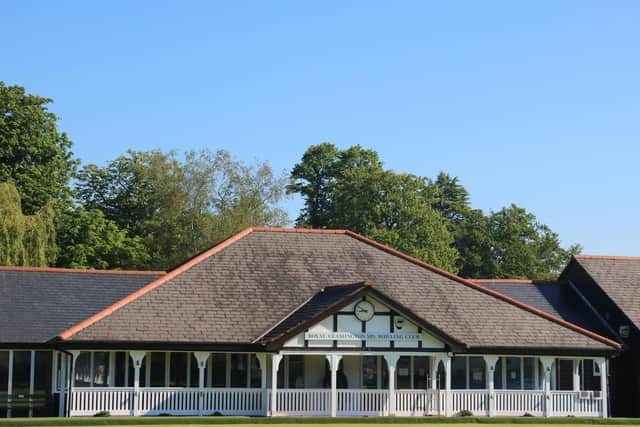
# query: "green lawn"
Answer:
x=327 y=422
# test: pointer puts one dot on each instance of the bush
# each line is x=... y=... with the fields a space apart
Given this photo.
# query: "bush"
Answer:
x=464 y=413
x=102 y=414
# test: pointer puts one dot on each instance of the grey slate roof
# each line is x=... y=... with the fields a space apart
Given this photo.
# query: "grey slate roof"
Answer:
x=557 y=298
x=240 y=292
x=619 y=278
x=36 y=305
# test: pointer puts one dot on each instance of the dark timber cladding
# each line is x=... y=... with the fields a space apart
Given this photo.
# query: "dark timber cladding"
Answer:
x=238 y=291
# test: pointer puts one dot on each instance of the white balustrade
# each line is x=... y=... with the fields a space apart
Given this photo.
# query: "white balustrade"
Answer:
x=249 y=401
x=519 y=402
x=419 y=402
x=304 y=402
x=475 y=401
x=565 y=403
x=363 y=402
x=89 y=401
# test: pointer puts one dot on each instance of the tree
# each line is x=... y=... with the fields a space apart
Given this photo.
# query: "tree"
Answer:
x=394 y=210
x=522 y=247
x=88 y=240
x=33 y=154
x=25 y=240
x=315 y=176
x=450 y=198
x=180 y=207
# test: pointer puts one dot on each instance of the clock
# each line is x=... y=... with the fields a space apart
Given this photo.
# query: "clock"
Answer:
x=364 y=311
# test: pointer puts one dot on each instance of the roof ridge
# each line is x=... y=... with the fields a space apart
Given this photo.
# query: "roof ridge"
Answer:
x=612 y=257
x=488 y=291
x=82 y=270
x=518 y=281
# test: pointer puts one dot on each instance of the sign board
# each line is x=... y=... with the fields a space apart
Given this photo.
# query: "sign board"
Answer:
x=361 y=336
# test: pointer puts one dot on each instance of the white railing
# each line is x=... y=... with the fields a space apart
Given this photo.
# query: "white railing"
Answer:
x=420 y=402
x=252 y=401
x=90 y=401
x=303 y=402
x=363 y=402
x=165 y=400
x=518 y=402
x=565 y=403
x=475 y=401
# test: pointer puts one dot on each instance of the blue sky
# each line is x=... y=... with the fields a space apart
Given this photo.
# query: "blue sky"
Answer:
x=534 y=103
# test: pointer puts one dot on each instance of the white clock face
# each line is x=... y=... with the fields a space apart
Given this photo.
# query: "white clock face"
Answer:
x=364 y=311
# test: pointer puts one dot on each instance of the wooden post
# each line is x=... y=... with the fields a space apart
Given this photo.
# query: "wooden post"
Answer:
x=275 y=364
x=448 y=407
x=262 y=361
x=547 y=365
x=334 y=362
x=32 y=374
x=603 y=386
x=201 y=358
x=490 y=363
x=136 y=357
x=392 y=361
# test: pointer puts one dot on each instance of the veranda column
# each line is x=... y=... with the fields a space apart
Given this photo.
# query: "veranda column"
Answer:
x=547 y=365
x=576 y=374
x=262 y=361
x=334 y=361
x=136 y=358
x=72 y=376
x=435 y=362
x=447 y=381
x=10 y=383
x=392 y=361
x=275 y=365
x=490 y=363
x=603 y=386
x=63 y=384
x=201 y=358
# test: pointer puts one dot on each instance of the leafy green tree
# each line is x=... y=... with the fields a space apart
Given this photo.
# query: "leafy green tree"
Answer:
x=25 y=240
x=88 y=240
x=34 y=155
x=523 y=247
x=450 y=199
x=315 y=176
x=180 y=207
x=394 y=210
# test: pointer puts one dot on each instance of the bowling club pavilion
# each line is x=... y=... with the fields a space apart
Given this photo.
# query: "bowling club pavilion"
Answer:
x=283 y=322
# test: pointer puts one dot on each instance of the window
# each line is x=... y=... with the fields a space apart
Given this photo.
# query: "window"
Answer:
x=370 y=372
x=296 y=371
x=476 y=373
x=564 y=374
x=121 y=359
x=514 y=377
x=497 y=374
x=4 y=371
x=42 y=380
x=528 y=373
x=459 y=372
x=256 y=372
x=219 y=366
x=157 y=362
x=420 y=372
x=403 y=370
x=82 y=369
x=239 y=370
x=100 y=372
x=178 y=370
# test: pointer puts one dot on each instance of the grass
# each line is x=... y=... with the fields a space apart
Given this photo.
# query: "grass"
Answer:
x=329 y=422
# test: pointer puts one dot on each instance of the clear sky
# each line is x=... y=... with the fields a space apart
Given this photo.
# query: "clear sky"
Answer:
x=536 y=103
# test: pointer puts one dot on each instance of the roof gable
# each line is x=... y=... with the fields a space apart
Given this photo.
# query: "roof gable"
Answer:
x=619 y=279
x=242 y=287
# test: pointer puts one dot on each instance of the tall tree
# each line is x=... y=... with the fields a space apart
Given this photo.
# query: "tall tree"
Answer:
x=88 y=240
x=34 y=155
x=315 y=176
x=179 y=207
x=394 y=210
x=24 y=239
